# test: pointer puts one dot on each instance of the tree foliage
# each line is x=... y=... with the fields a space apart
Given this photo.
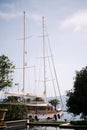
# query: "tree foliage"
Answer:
x=6 y=69
x=28 y=100
x=54 y=102
x=38 y=99
x=15 y=111
x=77 y=98
x=11 y=99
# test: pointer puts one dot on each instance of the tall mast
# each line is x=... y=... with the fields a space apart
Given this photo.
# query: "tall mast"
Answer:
x=24 y=57
x=44 y=57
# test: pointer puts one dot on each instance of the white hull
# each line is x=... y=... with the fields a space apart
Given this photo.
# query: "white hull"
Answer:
x=47 y=116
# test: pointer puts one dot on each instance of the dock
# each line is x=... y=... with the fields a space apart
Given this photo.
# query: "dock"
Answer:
x=45 y=123
x=23 y=124
x=17 y=124
x=68 y=125
x=60 y=124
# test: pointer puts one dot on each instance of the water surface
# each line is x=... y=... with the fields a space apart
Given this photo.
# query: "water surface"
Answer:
x=48 y=128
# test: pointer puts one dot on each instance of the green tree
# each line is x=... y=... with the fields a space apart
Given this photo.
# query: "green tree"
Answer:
x=77 y=97
x=38 y=99
x=6 y=69
x=28 y=100
x=54 y=102
x=11 y=99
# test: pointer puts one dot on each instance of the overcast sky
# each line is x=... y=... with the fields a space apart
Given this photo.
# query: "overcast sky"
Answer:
x=66 y=22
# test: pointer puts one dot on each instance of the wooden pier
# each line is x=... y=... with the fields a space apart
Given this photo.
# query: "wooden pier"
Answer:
x=2 y=118
x=60 y=124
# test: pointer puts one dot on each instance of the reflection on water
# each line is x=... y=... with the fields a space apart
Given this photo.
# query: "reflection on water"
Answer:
x=48 y=128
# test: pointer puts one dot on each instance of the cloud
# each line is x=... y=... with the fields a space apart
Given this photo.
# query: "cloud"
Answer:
x=8 y=16
x=36 y=17
x=6 y=11
x=77 y=21
x=8 y=5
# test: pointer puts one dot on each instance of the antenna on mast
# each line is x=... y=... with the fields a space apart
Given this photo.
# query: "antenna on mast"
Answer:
x=24 y=56
x=44 y=57
x=24 y=50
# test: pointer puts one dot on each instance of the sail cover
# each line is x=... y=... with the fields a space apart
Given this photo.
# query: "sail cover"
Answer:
x=22 y=94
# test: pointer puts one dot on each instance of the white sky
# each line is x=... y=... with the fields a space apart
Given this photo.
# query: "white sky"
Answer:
x=66 y=22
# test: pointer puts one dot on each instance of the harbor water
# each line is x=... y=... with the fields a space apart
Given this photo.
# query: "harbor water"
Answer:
x=48 y=128
x=66 y=116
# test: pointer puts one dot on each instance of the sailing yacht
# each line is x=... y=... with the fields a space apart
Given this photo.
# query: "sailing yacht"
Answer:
x=41 y=109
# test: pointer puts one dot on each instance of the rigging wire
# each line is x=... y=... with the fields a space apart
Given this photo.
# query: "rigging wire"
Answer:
x=54 y=68
x=50 y=67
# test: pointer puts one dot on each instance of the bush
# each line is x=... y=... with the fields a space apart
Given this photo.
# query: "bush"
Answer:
x=15 y=111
